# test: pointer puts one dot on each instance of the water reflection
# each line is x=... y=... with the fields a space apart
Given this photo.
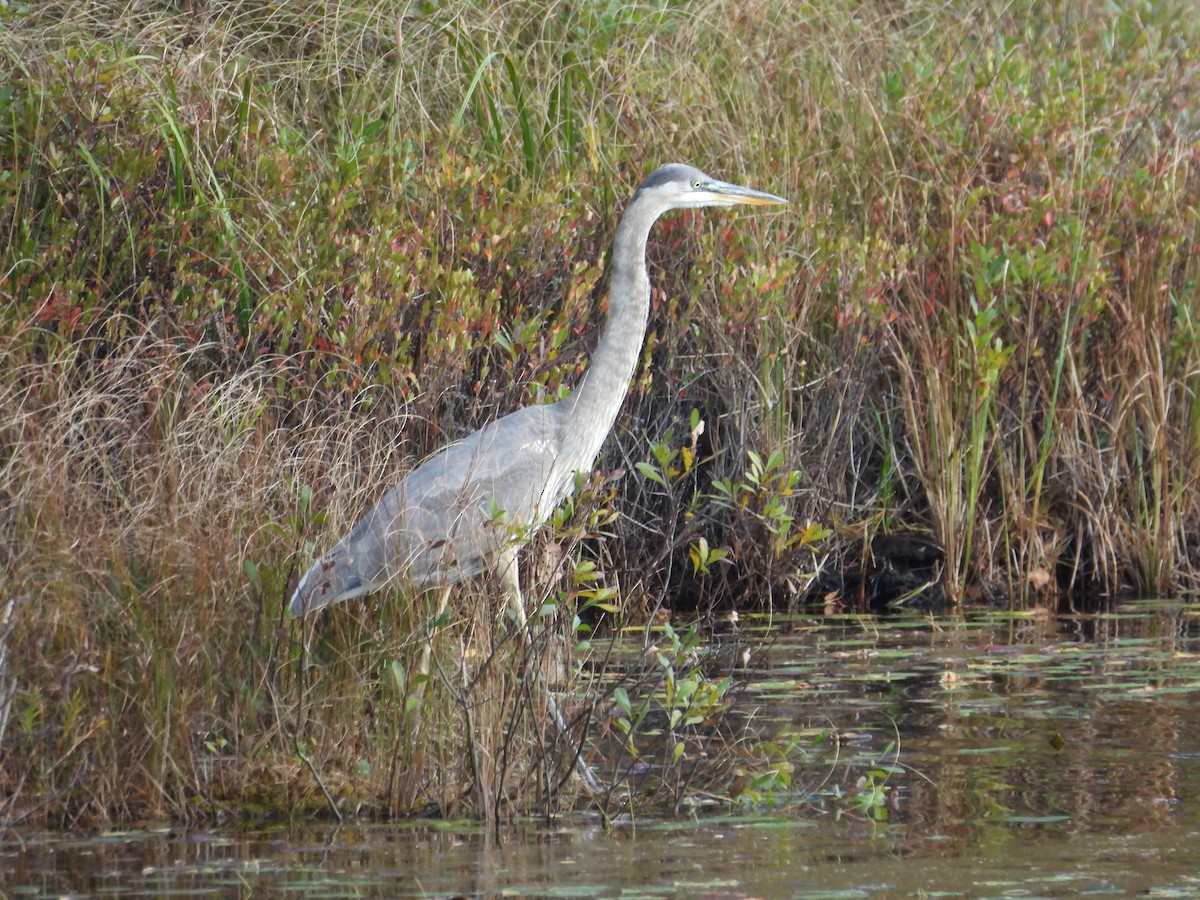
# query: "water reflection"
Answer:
x=715 y=858
x=1024 y=755
x=1013 y=719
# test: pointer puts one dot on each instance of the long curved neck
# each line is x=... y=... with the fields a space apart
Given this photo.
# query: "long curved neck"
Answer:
x=594 y=405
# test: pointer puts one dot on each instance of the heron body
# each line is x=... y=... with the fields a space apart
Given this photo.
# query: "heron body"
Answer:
x=462 y=512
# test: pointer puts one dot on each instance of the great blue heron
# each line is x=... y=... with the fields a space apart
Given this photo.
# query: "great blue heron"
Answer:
x=464 y=510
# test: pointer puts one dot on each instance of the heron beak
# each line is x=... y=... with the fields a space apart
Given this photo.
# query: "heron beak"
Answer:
x=732 y=194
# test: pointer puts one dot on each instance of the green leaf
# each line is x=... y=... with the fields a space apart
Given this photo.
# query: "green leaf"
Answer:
x=621 y=698
x=648 y=471
x=398 y=676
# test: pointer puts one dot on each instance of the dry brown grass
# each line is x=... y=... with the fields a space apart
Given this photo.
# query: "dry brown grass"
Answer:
x=154 y=520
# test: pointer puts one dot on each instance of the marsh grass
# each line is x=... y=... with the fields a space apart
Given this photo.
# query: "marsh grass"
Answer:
x=162 y=644
x=261 y=258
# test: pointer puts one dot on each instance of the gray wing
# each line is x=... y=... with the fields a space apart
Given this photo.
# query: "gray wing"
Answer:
x=452 y=515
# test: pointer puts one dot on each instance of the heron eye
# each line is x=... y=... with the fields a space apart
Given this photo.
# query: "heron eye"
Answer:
x=696 y=183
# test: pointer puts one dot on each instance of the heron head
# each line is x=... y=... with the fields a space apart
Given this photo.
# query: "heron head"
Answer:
x=676 y=186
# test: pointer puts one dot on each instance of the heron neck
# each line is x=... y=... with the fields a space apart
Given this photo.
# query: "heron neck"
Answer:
x=597 y=400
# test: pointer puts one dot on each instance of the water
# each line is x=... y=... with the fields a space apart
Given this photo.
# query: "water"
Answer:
x=992 y=756
x=712 y=858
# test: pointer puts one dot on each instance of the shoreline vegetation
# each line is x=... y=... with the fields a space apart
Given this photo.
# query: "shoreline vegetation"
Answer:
x=258 y=259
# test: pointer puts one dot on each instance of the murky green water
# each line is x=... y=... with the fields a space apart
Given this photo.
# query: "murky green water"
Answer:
x=1023 y=756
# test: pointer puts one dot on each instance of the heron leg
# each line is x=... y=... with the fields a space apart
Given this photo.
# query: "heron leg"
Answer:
x=510 y=578
x=427 y=650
